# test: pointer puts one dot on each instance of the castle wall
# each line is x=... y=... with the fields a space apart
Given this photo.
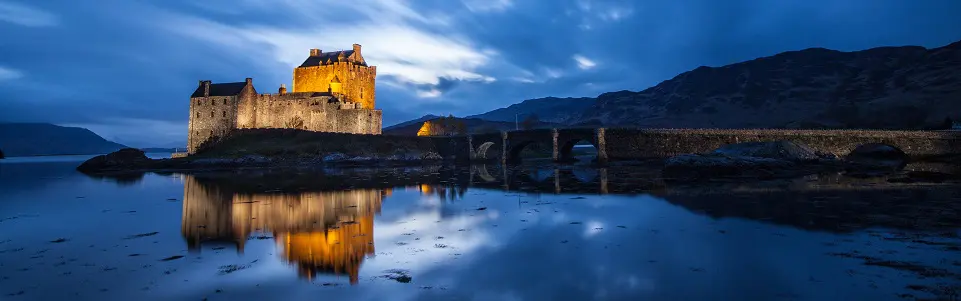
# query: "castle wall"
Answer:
x=314 y=114
x=212 y=116
x=357 y=81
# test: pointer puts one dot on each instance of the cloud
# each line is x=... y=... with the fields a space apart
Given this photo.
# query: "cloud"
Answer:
x=583 y=62
x=26 y=16
x=481 y=6
x=406 y=45
x=9 y=74
x=615 y=14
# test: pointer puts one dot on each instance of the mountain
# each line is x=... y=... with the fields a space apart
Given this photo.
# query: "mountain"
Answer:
x=548 y=109
x=907 y=87
x=417 y=121
x=37 y=139
x=888 y=87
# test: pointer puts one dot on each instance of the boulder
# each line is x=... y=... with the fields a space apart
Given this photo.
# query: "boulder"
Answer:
x=335 y=157
x=694 y=166
x=124 y=159
x=775 y=159
x=432 y=156
x=782 y=150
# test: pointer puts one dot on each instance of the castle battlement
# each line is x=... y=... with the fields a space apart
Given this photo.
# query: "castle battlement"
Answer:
x=331 y=92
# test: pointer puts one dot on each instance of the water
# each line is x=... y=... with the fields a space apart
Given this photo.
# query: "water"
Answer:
x=566 y=233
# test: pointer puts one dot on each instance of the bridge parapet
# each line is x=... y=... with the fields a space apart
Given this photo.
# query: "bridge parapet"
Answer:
x=627 y=143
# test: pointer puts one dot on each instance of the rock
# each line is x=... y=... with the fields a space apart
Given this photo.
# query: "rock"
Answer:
x=361 y=159
x=127 y=158
x=431 y=156
x=775 y=159
x=335 y=157
x=694 y=166
x=782 y=150
x=925 y=177
x=249 y=159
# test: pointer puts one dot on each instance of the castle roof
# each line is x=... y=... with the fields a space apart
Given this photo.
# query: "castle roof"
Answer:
x=320 y=60
x=221 y=89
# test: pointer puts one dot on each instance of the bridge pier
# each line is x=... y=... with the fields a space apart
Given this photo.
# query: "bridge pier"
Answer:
x=601 y=145
x=555 y=152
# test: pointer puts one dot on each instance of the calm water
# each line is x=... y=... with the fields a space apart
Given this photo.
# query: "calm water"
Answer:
x=568 y=233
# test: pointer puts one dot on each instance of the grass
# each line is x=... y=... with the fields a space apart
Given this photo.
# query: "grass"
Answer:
x=297 y=143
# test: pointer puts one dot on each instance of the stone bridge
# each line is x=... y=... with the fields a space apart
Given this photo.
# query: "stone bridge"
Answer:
x=625 y=144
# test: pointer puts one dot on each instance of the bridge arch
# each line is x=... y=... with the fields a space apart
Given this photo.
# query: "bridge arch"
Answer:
x=481 y=152
x=565 y=151
x=516 y=150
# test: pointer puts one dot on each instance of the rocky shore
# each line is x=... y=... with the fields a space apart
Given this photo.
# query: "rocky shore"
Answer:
x=741 y=161
x=129 y=159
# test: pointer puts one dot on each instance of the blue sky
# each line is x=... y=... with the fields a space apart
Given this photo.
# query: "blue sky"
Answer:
x=125 y=68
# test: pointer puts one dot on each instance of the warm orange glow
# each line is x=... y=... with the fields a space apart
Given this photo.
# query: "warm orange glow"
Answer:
x=319 y=232
x=425 y=130
x=338 y=250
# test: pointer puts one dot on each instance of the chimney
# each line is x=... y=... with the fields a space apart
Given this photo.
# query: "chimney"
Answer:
x=357 y=50
x=250 y=81
x=283 y=89
x=206 y=88
x=315 y=52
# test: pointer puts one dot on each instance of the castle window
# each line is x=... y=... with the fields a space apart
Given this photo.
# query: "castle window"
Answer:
x=225 y=101
x=211 y=114
x=225 y=113
x=198 y=114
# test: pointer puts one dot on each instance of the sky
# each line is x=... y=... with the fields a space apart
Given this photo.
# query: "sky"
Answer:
x=125 y=68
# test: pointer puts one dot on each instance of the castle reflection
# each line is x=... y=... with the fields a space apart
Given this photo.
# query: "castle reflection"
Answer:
x=328 y=232
x=323 y=222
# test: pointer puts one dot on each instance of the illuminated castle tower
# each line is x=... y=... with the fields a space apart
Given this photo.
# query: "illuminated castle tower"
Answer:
x=338 y=72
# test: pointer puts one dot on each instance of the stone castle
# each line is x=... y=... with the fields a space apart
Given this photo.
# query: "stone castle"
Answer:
x=331 y=92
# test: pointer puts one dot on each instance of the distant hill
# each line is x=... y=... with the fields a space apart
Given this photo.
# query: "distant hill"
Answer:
x=907 y=87
x=888 y=87
x=161 y=149
x=548 y=109
x=417 y=121
x=38 y=139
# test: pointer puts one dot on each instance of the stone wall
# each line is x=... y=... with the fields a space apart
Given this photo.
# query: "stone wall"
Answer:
x=626 y=144
x=319 y=113
x=210 y=117
x=633 y=143
x=357 y=81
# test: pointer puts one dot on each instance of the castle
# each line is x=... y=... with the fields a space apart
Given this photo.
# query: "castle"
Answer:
x=331 y=92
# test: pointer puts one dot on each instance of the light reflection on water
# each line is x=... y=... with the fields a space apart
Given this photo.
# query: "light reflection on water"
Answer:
x=546 y=233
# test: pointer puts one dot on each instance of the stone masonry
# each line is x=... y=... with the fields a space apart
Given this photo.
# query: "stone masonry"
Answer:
x=332 y=92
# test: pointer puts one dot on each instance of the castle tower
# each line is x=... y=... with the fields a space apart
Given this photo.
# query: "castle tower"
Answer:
x=344 y=72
